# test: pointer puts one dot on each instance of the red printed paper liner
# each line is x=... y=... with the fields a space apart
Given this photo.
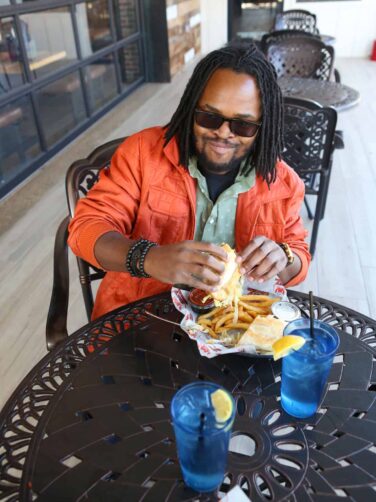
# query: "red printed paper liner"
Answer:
x=206 y=346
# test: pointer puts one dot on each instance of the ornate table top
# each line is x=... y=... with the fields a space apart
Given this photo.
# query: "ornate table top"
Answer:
x=340 y=96
x=92 y=419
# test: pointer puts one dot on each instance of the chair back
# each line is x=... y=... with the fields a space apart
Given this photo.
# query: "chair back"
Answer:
x=297 y=54
x=80 y=177
x=296 y=19
x=308 y=134
x=309 y=141
x=84 y=173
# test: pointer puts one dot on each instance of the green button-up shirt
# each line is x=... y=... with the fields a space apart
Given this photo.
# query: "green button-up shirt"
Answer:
x=216 y=222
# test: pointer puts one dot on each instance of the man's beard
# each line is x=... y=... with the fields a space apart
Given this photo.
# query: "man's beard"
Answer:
x=210 y=167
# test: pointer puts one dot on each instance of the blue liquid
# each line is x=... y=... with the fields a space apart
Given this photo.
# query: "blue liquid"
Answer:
x=304 y=372
x=202 y=451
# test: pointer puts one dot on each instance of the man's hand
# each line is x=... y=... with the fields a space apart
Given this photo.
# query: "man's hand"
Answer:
x=196 y=264
x=262 y=259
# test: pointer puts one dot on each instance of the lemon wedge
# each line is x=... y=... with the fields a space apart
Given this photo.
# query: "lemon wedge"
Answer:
x=286 y=344
x=222 y=404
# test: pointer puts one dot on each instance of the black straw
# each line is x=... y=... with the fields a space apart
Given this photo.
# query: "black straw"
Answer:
x=201 y=427
x=311 y=314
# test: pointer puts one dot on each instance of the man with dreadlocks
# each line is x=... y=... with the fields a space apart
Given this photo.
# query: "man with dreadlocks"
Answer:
x=214 y=174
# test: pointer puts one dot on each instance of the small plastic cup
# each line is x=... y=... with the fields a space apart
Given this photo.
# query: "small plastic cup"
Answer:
x=202 y=442
x=305 y=371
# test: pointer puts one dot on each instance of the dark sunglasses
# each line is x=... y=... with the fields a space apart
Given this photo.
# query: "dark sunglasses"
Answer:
x=239 y=127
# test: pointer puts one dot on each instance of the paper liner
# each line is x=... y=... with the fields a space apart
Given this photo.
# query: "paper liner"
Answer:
x=274 y=287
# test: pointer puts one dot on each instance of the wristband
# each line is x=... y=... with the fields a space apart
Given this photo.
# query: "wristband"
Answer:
x=136 y=255
x=287 y=250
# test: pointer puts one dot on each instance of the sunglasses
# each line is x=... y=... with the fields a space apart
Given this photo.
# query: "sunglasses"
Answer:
x=213 y=121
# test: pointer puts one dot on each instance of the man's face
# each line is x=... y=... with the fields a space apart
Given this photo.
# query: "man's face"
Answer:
x=233 y=95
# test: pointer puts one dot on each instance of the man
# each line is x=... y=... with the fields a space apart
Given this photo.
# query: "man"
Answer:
x=157 y=216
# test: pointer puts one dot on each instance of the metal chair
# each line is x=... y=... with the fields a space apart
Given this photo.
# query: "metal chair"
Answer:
x=294 y=53
x=309 y=141
x=80 y=177
x=296 y=19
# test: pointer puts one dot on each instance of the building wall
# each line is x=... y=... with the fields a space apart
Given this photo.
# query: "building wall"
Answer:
x=213 y=24
x=184 y=32
x=353 y=23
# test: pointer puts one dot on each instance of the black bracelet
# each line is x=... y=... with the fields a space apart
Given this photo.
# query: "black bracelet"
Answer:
x=141 y=264
x=130 y=262
x=136 y=258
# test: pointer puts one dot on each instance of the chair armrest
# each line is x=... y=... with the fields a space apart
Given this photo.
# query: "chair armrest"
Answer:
x=56 y=326
x=337 y=76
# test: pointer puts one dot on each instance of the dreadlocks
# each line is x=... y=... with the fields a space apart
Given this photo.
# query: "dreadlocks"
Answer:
x=241 y=58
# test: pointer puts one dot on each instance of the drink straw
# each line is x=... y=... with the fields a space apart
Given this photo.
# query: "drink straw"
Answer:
x=201 y=427
x=311 y=314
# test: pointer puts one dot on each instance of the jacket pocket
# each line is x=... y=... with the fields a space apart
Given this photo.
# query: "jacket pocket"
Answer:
x=167 y=203
x=167 y=215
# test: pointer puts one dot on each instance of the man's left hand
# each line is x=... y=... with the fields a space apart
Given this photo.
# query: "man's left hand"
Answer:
x=262 y=259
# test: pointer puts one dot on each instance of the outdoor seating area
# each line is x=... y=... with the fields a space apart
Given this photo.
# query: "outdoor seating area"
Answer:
x=242 y=366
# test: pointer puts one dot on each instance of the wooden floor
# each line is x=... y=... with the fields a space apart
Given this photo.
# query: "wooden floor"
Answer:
x=344 y=268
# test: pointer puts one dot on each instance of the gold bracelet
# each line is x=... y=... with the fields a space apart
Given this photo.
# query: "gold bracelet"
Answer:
x=289 y=254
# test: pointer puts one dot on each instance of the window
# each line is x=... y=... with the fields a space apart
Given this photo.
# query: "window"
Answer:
x=126 y=19
x=62 y=64
x=100 y=78
x=61 y=107
x=130 y=64
x=94 y=28
x=11 y=67
x=19 y=138
x=49 y=40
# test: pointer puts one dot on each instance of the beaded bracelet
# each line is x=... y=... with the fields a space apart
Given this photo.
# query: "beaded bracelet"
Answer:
x=136 y=258
x=129 y=259
x=141 y=263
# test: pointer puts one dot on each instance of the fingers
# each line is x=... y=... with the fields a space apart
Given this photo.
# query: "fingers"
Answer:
x=207 y=248
x=255 y=253
x=205 y=254
x=262 y=259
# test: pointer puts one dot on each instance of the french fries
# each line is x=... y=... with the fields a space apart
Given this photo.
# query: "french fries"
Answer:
x=222 y=320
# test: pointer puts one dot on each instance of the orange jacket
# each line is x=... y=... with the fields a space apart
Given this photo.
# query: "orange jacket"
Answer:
x=146 y=193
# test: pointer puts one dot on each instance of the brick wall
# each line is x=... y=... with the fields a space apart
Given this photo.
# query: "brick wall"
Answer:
x=184 y=32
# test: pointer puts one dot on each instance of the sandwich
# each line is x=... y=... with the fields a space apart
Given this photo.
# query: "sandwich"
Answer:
x=231 y=284
x=263 y=332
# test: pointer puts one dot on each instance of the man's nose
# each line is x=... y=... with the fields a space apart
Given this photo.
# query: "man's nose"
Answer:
x=224 y=131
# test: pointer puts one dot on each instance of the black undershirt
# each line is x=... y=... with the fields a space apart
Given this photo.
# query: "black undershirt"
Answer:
x=218 y=183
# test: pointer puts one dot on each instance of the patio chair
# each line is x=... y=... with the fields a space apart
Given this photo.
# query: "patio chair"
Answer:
x=309 y=141
x=296 y=19
x=80 y=177
x=294 y=53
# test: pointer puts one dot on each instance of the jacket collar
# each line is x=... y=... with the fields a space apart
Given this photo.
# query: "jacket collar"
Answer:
x=279 y=189
x=171 y=150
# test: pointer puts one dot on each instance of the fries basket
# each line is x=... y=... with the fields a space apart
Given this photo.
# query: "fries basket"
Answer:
x=207 y=346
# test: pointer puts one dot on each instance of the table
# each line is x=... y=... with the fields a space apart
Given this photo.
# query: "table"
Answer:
x=327 y=93
x=91 y=420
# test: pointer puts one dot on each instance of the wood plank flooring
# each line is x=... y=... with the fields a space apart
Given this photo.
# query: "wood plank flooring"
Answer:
x=344 y=268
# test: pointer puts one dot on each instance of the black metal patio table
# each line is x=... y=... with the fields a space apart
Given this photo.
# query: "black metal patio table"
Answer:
x=327 y=93
x=91 y=420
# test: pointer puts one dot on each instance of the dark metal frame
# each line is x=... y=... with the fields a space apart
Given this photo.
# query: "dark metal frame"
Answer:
x=310 y=139
x=80 y=177
x=31 y=87
x=285 y=48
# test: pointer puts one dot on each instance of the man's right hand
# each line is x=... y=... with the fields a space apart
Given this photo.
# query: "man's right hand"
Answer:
x=196 y=264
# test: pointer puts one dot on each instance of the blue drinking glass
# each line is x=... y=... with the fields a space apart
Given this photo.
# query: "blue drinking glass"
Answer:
x=202 y=442
x=305 y=371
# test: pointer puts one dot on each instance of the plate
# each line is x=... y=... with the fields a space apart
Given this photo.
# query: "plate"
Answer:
x=179 y=297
